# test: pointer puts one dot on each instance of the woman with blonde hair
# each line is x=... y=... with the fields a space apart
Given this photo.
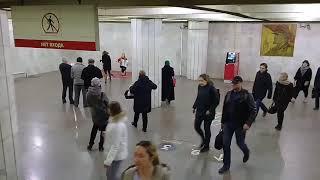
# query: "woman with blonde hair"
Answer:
x=146 y=164
x=283 y=94
x=117 y=141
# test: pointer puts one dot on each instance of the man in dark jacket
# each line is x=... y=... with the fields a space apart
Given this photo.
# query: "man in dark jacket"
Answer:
x=167 y=84
x=141 y=90
x=317 y=89
x=239 y=111
x=106 y=61
x=90 y=72
x=262 y=84
x=67 y=82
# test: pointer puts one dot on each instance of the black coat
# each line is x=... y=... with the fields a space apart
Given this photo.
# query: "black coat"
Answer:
x=207 y=100
x=283 y=95
x=167 y=83
x=302 y=79
x=89 y=73
x=262 y=84
x=141 y=90
x=65 y=70
x=317 y=80
x=244 y=110
x=106 y=60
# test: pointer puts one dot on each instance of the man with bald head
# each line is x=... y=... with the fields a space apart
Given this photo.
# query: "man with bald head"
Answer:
x=67 y=82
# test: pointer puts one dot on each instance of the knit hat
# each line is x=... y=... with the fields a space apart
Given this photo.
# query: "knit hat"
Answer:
x=95 y=82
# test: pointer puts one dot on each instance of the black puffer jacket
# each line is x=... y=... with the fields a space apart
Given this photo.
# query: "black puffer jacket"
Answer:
x=262 y=84
x=244 y=110
x=283 y=95
x=89 y=73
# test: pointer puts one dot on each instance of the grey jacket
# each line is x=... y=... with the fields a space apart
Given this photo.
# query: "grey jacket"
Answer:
x=76 y=72
x=161 y=172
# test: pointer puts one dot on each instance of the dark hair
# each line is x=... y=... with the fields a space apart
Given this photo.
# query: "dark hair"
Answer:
x=90 y=61
x=265 y=65
x=151 y=149
x=206 y=77
x=306 y=61
x=115 y=108
x=79 y=59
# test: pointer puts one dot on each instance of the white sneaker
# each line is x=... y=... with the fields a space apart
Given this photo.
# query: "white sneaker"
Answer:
x=305 y=100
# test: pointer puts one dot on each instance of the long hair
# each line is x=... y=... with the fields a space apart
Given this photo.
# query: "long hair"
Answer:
x=206 y=77
x=151 y=149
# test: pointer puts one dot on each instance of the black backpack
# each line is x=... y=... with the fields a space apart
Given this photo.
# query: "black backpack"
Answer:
x=101 y=115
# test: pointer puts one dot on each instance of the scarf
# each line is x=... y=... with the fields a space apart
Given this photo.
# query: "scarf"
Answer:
x=303 y=69
x=94 y=90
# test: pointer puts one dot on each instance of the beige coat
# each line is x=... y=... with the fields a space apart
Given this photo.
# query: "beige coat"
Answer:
x=161 y=172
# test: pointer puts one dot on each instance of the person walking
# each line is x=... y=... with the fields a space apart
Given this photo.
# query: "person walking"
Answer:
x=302 y=80
x=239 y=112
x=117 y=141
x=167 y=84
x=78 y=83
x=262 y=85
x=141 y=90
x=283 y=94
x=91 y=71
x=205 y=108
x=98 y=103
x=67 y=82
x=317 y=89
x=106 y=61
x=123 y=61
x=147 y=164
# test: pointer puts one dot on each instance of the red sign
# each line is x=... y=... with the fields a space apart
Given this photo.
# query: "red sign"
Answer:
x=53 y=44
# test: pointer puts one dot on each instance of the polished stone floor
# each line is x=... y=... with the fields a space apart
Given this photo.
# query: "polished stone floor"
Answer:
x=52 y=137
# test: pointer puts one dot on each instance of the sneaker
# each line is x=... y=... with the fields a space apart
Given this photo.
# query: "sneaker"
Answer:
x=223 y=170
x=134 y=124
x=264 y=114
x=101 y=149
x=89 y=148
x=246 y=157
x=64 y=101
x=278 y=128
x=144 y=130
x=204 y=149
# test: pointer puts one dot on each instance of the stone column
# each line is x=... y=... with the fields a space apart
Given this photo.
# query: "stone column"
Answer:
x=197 y=49
x=146 y=34
x=7 y=107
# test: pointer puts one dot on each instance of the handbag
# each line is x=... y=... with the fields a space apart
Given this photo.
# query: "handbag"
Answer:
x=273 y=109
x=128 y=95
x=218 y=143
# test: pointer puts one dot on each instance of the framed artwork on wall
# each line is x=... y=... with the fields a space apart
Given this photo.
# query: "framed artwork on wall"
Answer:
x=278 y=39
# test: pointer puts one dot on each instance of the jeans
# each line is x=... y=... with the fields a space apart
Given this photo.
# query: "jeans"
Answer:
x=112 y=171
x=206 y=136
x=228 y=131
x=144 y=119
x=93 y=135
x=64 y=91
x=77 y=90
x=259 y=104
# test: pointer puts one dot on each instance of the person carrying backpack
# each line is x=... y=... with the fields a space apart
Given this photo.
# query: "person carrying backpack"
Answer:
x=205 y=109
x=98 y=103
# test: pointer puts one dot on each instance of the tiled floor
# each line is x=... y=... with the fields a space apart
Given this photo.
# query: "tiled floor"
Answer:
x=52 y=138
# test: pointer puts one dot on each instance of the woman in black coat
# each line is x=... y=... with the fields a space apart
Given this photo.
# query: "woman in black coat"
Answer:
x=282 y=96
x=317 y=89
x=141 y=90
x=106 y=61
x=167 y=83
x=302 y=80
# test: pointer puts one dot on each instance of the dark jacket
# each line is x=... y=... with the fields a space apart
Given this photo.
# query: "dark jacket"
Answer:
x=106 y=60
x=317 y=80
x=167 y=83
x=283 y=95
x=207 y=100
x=141 y=90
x=302 y=79
x=65 y=70
x=244 y=109
x=262 y=84
x=90 y=72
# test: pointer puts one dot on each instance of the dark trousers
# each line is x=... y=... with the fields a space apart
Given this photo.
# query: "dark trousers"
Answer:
x=64 y=91
x=317 y=101
x=93 y=135
x=113 y=170
x=206 y=136
x=280 y=116
x=144 y=119
x=305 y=90
x=228 y=131
x=107 y=72
x=259 y=104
